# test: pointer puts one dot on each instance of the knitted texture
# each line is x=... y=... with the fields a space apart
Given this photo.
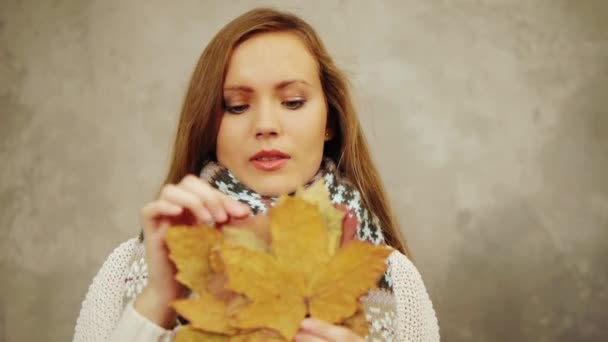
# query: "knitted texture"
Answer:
x=103 y=306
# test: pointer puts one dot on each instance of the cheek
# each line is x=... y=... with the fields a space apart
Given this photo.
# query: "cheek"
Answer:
x=227 y=135
x=312 y=129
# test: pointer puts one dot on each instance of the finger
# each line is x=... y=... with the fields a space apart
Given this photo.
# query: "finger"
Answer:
x=160 y=207
x=208 y=196
x=235 y=208
x=152 y=212
x=203 y=190
x=327 y=330
x=349 y=224
x=214 y=204
x=259 y=224
x=306 y=337
x=184 y=198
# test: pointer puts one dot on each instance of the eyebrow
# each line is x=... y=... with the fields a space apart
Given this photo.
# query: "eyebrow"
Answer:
x=278 y=86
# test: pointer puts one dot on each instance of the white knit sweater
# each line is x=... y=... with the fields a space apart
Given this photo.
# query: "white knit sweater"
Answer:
x=107 y=312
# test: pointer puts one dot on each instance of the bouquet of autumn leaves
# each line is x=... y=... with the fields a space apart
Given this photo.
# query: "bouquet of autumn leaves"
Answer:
x=257 y=280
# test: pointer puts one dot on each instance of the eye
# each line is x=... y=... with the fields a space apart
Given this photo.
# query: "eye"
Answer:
x=294 y=104
x=239 y=109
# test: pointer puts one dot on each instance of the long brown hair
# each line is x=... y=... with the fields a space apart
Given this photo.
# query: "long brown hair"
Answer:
x=202 y=110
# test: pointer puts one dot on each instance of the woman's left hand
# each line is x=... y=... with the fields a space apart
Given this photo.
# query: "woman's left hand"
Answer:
x=315 y=330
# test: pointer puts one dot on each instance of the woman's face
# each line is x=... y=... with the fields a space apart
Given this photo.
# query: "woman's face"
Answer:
x=273 y=129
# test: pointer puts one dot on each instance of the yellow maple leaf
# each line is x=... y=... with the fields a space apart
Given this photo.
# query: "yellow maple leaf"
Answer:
x=189 y=334
x=245 y=238
x=206 y=313
x=256 y=279
x=317 y=194
x=300 y=277
x=189 y=249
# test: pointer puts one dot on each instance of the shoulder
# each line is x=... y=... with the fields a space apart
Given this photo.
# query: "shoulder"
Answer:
x=401 y=267
x=112 y=274
x=103 y=303
x=118 y=263
x=125 y=251
x=415 y=312
x=406 y=280
x=126 y=268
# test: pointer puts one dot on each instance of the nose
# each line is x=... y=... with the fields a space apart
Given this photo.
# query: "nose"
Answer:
x=267 y=122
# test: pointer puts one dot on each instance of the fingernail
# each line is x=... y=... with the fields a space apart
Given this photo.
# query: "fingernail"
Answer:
x=243 y=209
x=307 y=324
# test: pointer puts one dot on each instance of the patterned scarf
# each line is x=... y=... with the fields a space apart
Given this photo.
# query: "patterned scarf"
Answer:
x=340 y=189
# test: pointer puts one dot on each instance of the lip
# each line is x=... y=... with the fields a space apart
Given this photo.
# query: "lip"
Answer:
x=275 y=160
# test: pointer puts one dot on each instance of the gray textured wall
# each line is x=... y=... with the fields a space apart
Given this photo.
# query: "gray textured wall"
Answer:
x=488 y=120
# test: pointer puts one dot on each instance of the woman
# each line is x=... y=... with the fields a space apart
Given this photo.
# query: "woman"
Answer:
x=266 y=111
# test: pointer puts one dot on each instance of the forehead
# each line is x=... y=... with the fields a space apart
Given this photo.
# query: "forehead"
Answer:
x=268 y=58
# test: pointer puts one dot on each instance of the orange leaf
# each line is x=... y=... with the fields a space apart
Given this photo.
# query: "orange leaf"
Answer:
x=299 y=277
x=355 y=269
x=256 y=279
x=206 y=313
x=189 y=334
x=317 y=194
x=189 y=249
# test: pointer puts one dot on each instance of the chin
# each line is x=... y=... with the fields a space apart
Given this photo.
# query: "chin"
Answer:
x=274 y=187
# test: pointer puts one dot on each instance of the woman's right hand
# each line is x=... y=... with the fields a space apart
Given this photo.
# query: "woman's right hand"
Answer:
x=192 y=201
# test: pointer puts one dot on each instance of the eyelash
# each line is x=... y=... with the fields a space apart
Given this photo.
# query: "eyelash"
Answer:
x=240 y=109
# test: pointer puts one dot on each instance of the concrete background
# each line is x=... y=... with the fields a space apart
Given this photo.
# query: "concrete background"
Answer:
x=488 y=120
